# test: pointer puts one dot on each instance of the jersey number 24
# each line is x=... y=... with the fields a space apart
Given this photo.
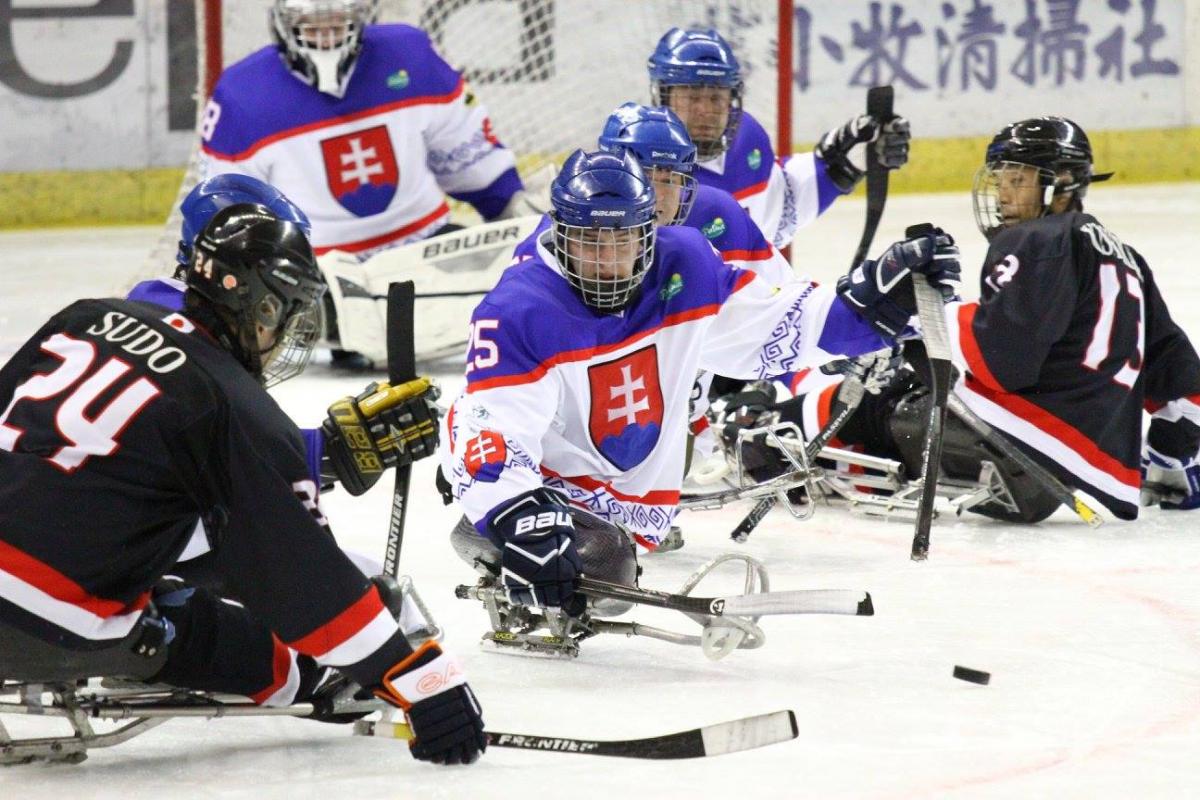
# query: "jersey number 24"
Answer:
x=87 y=436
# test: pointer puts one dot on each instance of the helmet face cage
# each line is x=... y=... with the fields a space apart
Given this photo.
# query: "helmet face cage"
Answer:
x=320 y=39
x=706 y=149
x=605 y=265
x=293 y=346
x=1026 y=190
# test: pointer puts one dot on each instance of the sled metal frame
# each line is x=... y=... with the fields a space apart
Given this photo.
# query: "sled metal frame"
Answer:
x=136 y=707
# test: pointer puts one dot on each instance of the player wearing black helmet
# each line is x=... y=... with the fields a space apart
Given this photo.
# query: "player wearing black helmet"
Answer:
x=1033 y=168
x=125 y=428
x=1069 y=342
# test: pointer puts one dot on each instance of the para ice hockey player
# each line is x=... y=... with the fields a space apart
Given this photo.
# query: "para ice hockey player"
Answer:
x=1070 y=340
x=125 y=427
x=363 y=126
x=571 y=429
x=697 y=75
x=336 y=451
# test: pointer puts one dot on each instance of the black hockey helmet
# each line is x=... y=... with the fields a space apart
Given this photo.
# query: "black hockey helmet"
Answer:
x=1059 y=150
x=256 y=274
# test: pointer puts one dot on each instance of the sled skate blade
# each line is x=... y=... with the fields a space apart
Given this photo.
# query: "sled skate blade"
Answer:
x=529 y=644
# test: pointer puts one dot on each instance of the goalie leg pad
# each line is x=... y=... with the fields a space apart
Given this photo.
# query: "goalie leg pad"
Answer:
x=963 y=454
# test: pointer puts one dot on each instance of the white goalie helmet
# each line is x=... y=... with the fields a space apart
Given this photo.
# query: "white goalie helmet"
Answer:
x=320 y=40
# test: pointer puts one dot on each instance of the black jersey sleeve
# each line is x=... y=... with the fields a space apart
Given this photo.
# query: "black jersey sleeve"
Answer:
x=274 y=548
x=1029 y=291
x=1172 y=367
x=1172 y=375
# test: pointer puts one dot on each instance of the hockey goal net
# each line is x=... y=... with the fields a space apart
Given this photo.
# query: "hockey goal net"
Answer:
x=548 y=71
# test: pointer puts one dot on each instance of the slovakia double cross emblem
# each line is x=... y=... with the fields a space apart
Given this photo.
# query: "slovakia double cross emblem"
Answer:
x=361 y=170
x=627 y=407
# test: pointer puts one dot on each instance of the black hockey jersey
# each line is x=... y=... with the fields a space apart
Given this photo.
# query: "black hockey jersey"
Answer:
x=1069 y=341
x=125 y=425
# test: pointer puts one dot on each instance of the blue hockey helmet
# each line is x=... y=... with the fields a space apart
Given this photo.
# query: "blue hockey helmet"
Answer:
x=698 y=57
x=603 y=215
x=221 y=191
x=659 y=141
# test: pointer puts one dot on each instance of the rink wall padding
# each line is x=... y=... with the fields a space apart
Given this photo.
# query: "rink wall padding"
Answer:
x=138 y=197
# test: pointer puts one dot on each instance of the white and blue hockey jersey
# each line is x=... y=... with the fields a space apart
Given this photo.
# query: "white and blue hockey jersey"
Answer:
x=372 y=168
x=780 y=196
x=596 y=405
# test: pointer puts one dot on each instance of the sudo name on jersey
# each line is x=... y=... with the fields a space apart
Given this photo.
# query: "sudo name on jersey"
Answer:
x=138 y=339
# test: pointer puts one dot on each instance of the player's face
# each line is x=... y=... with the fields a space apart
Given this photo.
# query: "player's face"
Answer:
x=1019 y=193
x=704 y=109
x=266 y=339
x=604 y=254
x=325 y=30
x=668 y=194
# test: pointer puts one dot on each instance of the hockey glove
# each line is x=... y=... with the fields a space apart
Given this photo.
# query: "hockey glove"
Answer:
x=754 y=407
x=538 y=560
x=1172 y=483
x=442 y=711
x=881 y=290
x=384 y=426
x=889 y=139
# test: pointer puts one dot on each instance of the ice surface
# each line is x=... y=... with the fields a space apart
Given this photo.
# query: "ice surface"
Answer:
x=1092 y=637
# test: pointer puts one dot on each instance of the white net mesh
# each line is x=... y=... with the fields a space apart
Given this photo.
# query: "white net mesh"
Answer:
x=548 y=71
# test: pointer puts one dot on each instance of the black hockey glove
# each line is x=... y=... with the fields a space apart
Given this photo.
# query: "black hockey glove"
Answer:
x=889 y=139
x=754 y=407
x=538 y=560
x=445 y=717
x=384 y=426
x=881 y=290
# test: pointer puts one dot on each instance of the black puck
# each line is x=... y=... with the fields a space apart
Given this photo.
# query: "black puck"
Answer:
x=972 y=675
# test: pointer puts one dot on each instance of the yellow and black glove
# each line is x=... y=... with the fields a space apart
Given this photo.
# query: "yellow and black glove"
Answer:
x=385 y=426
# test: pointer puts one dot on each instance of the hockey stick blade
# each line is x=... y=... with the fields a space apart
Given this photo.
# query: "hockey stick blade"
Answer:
x=402 y=367
x=710 y=740
x=798 y=601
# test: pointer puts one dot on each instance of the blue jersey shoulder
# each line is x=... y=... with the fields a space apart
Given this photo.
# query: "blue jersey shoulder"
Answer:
x=725 y=224
x=535 y=318
x=397 y=66
x=748 y=161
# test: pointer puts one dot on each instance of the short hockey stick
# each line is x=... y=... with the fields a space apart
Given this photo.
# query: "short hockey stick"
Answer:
x=402 y=366
x=708 y=501
x=711 y=740
x=937 y=348
x=1039 y=473
x=797 y=601
x=879 y=106
x=850 y=394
